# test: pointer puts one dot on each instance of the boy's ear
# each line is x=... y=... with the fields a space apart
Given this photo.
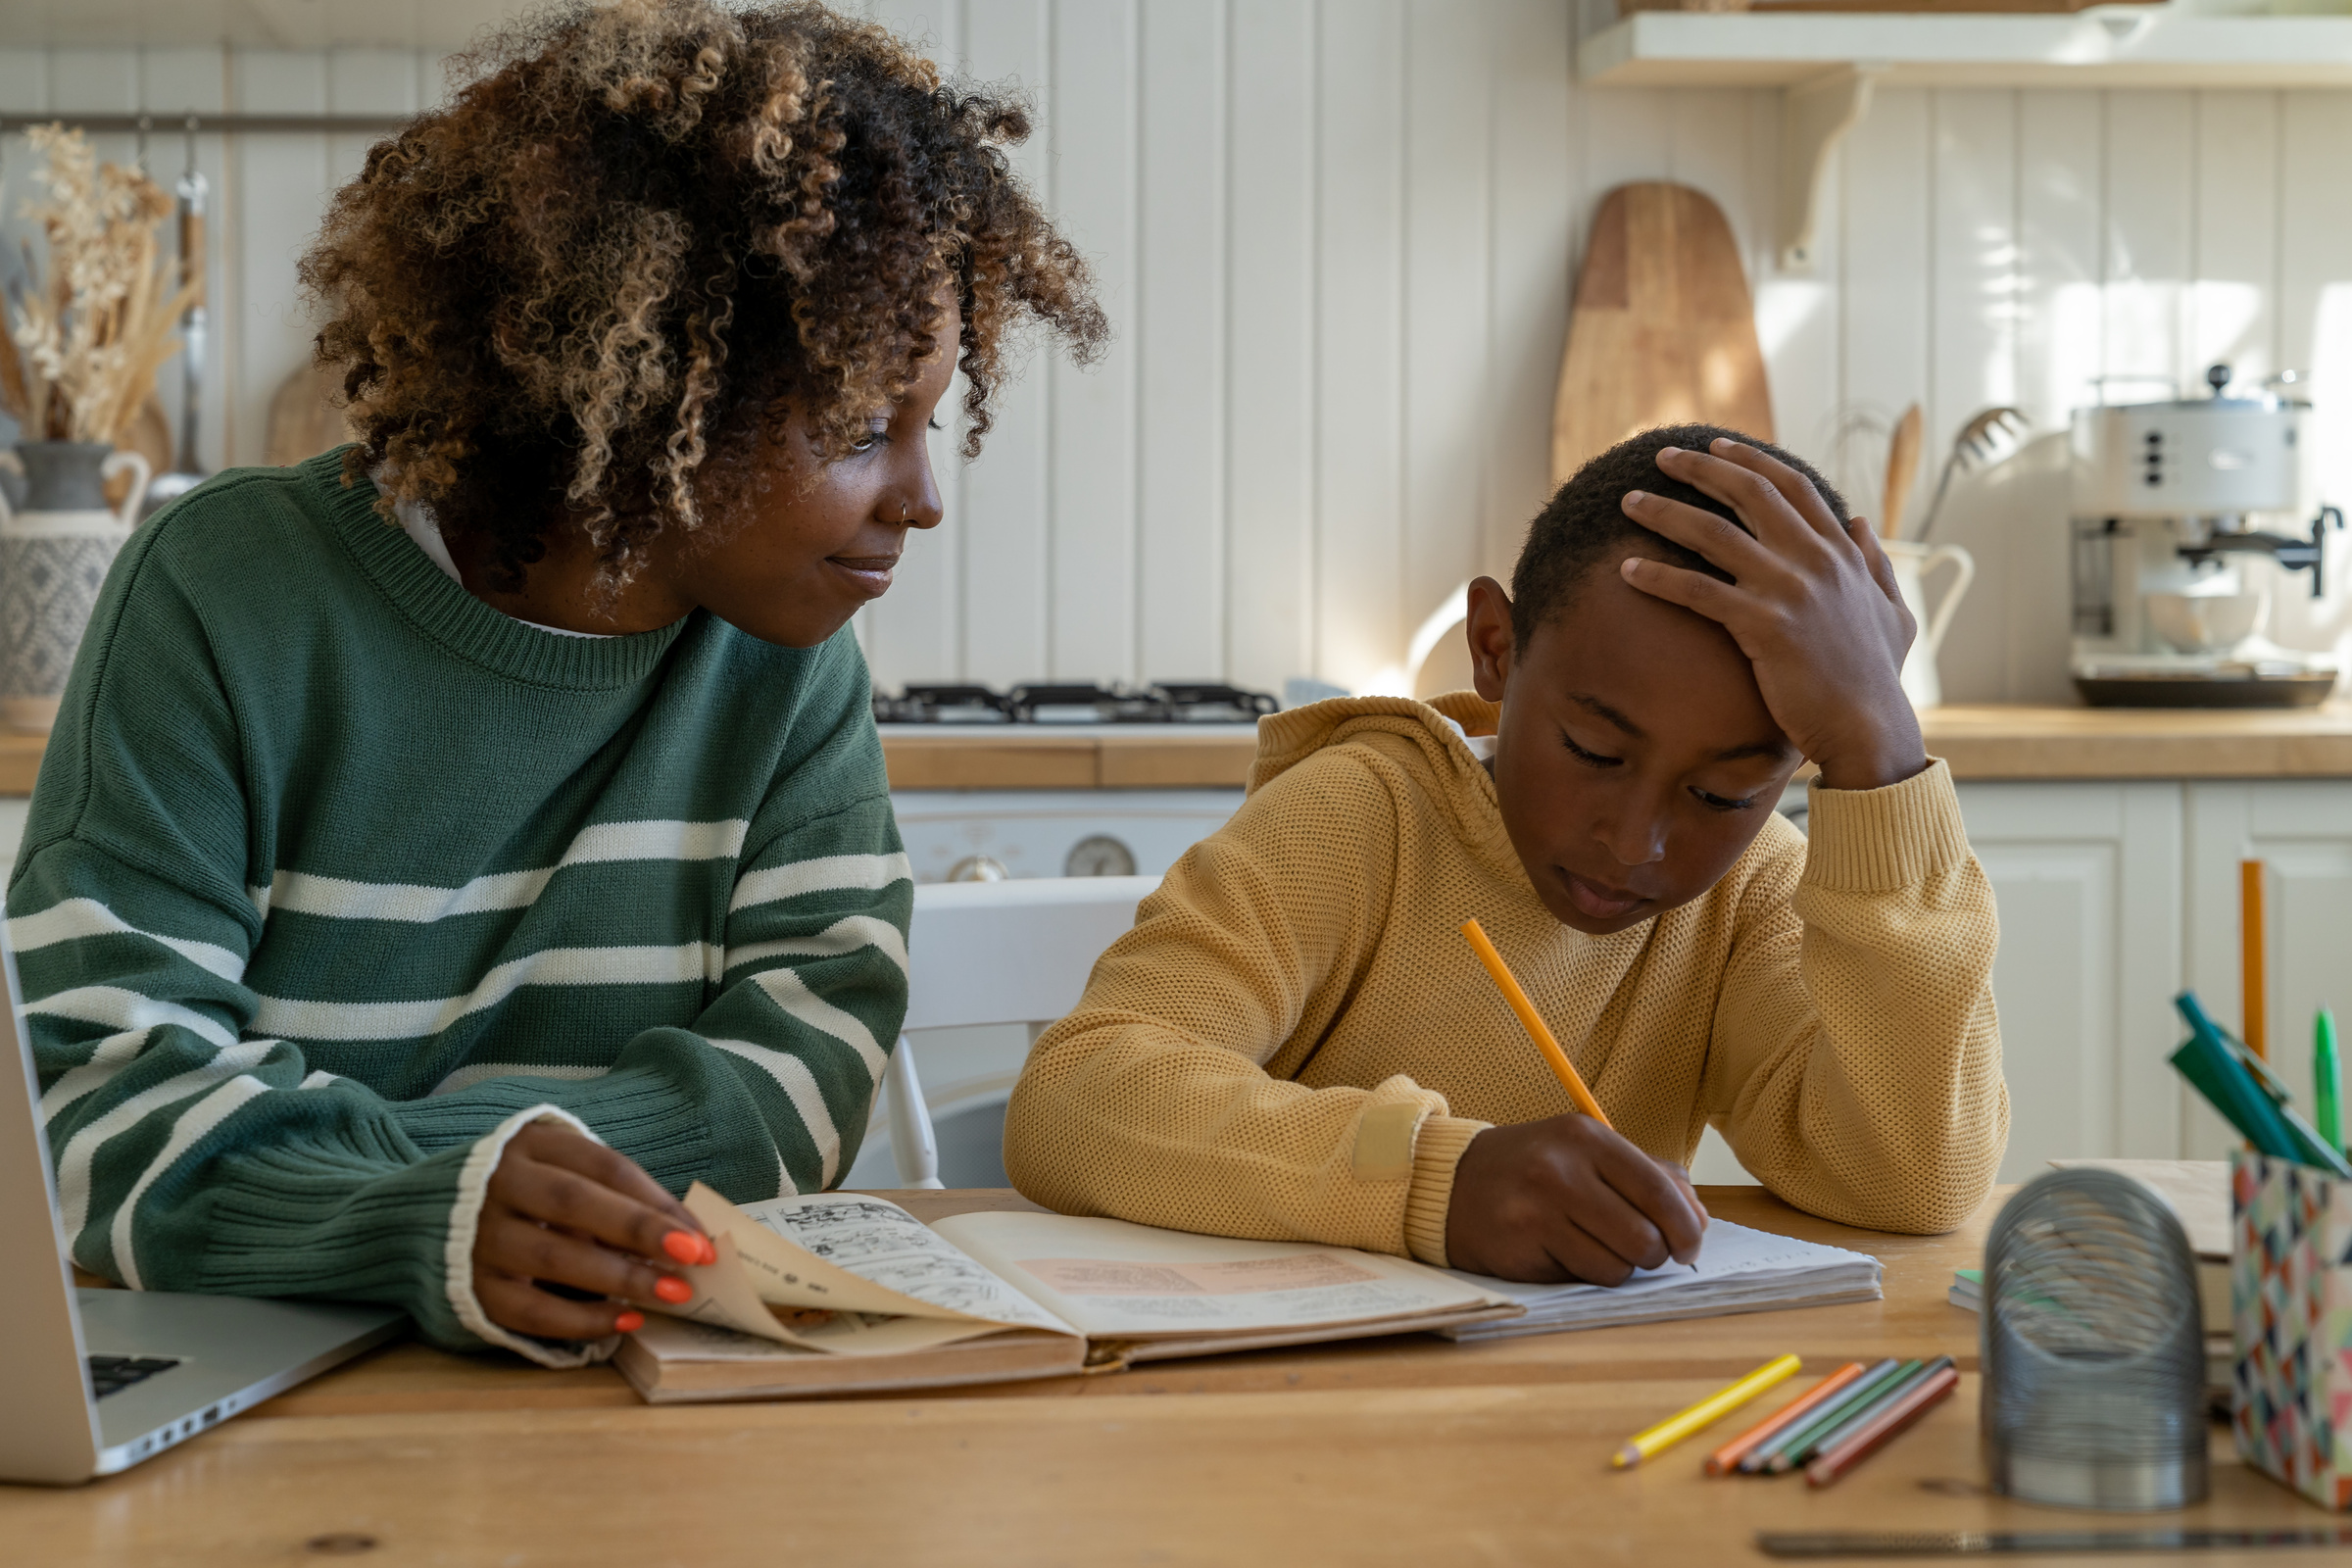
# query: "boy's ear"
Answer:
x=1489 y=628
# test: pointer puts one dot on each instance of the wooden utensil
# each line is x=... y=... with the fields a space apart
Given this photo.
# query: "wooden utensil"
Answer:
x=1902 y=471
x=302 y=422
x=1662 y=331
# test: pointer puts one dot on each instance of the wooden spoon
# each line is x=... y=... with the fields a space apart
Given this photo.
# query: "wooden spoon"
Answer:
x=1902 y=469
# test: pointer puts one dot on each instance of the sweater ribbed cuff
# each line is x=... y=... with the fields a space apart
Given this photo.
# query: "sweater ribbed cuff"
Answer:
x=1875 y=841
x=1436 y=1153
x=465 y=1220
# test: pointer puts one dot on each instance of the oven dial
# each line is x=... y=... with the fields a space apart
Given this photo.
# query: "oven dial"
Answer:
x=1100 y=856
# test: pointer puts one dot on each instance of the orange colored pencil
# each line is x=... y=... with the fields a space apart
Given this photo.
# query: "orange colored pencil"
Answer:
x=1728 y=1456
x=1828 y=1466
x=2256 y=1031
x=1506 y=982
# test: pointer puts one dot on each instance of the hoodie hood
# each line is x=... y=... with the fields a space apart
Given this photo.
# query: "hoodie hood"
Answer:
x=1287 y=739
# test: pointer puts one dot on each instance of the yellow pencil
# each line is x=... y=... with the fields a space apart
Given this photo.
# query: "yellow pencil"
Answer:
x=1675 y=1427
x=1563 y=1068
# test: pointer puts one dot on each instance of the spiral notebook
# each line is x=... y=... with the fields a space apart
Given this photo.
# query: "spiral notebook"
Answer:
x=1739 y=1270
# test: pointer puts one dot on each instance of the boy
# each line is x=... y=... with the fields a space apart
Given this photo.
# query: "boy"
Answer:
x=1296 y=1041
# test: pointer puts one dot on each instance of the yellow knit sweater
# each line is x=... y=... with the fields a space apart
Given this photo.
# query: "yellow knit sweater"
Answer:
x=1296 y=1042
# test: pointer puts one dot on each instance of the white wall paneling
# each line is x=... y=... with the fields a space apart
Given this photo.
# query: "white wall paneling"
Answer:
x=1337 y=239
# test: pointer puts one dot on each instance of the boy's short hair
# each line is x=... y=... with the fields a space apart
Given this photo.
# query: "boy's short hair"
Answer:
x=1585 y=524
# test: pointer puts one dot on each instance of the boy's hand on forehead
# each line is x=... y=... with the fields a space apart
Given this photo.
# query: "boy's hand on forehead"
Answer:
x=1815 y=608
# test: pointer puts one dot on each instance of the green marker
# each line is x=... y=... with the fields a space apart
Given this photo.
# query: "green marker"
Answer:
x=2326 y=1081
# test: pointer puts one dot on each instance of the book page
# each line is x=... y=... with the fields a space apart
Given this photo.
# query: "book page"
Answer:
x=1119 y=1281
x=1728 y=1254
x=856 y=1255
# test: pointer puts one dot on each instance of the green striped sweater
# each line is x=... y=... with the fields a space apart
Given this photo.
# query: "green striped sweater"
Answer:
x=335 y=877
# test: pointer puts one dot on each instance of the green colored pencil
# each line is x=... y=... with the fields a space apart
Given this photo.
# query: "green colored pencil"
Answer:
x=1857 y=1420
x=1800 y=1448
x=2326 y=1081
x=1762 y=1453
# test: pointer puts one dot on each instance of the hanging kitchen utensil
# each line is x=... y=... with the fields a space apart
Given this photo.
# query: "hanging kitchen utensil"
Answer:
x=1990 y=436
x=187 y=473
x=1902 y=471
x=1662 y=331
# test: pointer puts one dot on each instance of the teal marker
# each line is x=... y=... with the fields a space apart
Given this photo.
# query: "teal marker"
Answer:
x=2326 y=1081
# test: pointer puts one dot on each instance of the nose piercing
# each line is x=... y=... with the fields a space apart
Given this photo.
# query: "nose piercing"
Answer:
x=905 y=513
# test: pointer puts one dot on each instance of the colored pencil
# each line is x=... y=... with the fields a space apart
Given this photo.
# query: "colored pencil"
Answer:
x=1923 y=1397
x=2251 y=955
x=1531 y=1020
x=2326 y=1081
x=1801 y=1443
x=1892 y=1393
x=1761 y=1454
x=1714 y=1407
x=1729 y=1455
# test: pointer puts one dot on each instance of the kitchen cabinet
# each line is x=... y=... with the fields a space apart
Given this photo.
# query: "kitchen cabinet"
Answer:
x=2088 y=880
x=2302 y=829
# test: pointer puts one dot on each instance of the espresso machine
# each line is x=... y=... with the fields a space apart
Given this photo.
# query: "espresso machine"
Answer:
x=2170 y=501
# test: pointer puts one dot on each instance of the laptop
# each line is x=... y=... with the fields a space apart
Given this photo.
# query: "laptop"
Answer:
x=94 y=1381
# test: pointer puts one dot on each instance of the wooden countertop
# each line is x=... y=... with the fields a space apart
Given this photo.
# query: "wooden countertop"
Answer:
x=1982 y=740
x=1405 y=1450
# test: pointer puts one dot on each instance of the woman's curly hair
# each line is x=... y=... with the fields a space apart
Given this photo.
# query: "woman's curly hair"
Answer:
x=640 y=235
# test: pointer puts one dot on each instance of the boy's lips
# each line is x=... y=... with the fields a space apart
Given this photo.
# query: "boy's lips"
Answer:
x=870 y=574
x=1597 y=900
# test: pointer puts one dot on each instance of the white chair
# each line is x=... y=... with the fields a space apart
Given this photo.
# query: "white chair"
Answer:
x=996 y=952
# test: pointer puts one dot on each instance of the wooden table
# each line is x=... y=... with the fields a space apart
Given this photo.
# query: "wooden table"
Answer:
x=1404 y=1450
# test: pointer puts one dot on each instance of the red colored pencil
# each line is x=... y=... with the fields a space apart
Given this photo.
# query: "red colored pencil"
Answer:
x=1829 y=1465
x=1729 y=1455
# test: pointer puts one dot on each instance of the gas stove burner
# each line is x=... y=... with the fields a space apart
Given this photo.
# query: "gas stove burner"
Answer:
x=1210 y=703
x=1075 y=703
x=941 y=705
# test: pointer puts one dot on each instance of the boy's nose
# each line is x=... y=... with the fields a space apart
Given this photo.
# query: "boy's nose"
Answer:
x=1635 y=838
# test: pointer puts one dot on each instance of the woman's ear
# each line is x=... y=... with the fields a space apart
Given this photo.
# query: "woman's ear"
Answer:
x=1489 y=628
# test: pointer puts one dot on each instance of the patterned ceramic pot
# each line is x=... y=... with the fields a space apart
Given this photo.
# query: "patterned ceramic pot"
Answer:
x=54 y=554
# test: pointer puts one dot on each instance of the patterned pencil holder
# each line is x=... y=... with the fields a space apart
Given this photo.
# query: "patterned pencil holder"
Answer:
x=2290 y=1298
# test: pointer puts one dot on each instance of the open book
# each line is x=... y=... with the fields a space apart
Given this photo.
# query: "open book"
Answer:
x=837 y=1292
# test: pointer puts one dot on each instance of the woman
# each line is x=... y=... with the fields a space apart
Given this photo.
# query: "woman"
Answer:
x=454 y=846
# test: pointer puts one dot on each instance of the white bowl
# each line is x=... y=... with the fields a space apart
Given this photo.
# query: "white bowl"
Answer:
x=2205 y=623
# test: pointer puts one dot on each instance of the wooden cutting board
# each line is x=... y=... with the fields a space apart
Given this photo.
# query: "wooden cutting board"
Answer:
x=1662 y=331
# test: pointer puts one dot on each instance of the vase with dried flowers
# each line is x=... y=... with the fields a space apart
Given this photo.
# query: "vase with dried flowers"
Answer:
x=78 y=360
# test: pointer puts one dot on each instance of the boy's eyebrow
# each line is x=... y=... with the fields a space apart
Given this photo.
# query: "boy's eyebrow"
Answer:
x=1610 y=714
x=1776 y=750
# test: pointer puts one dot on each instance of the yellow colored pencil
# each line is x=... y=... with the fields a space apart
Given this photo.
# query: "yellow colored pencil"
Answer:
x=1506 y=982
x=1675 y=1427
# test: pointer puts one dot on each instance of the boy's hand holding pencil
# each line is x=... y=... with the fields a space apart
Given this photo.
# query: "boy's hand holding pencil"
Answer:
x=1566 y=1198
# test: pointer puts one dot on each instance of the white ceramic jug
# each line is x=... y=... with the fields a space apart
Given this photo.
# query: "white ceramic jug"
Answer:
x=1912 y=563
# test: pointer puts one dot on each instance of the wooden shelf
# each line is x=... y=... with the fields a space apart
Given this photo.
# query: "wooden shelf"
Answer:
x=1826 y=66
x=2120 y=46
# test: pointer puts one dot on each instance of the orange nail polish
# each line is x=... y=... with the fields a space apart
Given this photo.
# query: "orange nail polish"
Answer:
x=685 y=1246
x=673 y=1289
x=628 y=1322
x=709 y=1250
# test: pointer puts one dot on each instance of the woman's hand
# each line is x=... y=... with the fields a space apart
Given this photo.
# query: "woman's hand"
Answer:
x=1567 y=1198
x=1815 y=608
x=564 y=1211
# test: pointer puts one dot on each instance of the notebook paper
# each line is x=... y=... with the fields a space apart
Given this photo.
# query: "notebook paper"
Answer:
x=1739 y=1270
